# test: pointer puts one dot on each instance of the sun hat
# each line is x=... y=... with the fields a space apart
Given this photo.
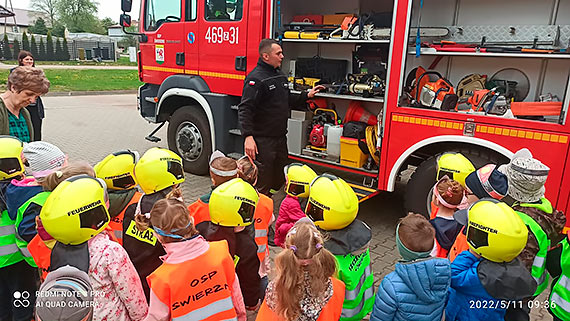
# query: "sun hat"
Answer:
x=526 y=176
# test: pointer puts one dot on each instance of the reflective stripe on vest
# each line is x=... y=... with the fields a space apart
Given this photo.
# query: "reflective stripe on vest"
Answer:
x=39 y=199
x=208 y=311
x=262 y=216
x=352 y=294
x=9 y=252
x=260 y=233
x=538 y=270
x=356 y=273
x=356 y=313
x=560 y=296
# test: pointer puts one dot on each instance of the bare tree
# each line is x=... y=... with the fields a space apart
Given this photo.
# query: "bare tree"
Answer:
x=48 y=7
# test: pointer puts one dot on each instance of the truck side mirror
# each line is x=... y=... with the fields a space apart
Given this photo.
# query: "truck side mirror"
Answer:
x=126 y=5
x=125 y=20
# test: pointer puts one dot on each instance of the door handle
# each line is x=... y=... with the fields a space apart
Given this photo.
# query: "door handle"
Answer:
x=241 y=63
x=180 y=59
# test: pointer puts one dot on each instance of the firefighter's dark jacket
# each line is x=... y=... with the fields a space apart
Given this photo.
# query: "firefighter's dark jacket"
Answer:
x=266 y=103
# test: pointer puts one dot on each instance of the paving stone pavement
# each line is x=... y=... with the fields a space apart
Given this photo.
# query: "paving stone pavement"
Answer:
x=90 y=127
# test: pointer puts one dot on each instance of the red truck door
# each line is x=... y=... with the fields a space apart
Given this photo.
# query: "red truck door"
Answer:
x=164 y=49
x=222 y=37
x=191 y=32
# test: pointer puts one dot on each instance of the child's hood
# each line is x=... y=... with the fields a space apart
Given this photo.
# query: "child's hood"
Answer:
x=445 y=231
x=349 y=239
x=118 y=200
x=18 y=194
x=506 y=281
x=429 y=278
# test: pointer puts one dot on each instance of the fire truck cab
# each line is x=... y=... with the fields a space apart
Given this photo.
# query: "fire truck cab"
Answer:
x=482 y=78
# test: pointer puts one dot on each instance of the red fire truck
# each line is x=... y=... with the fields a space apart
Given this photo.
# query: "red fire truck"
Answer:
x=496 y=81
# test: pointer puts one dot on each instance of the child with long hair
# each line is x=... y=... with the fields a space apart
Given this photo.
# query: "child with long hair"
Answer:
x=448 y=194
x=263 y=217
x=158 y=172
x=212 y=286
x=304 y=287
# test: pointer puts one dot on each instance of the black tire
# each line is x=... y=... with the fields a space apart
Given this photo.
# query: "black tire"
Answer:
x=417 y=197
x=189 y=136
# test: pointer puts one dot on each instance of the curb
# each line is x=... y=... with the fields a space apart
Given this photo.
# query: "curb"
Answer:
x=90 y=93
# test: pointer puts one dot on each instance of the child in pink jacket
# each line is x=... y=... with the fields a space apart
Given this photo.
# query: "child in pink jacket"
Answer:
x=174 y=279
x=299 y=177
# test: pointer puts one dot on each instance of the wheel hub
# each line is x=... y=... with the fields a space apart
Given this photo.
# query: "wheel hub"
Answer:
x=189 y=141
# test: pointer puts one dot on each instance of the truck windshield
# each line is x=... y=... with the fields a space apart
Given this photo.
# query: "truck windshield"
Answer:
x=161 y=11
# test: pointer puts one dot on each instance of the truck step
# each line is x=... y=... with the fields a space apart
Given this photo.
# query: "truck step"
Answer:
x=235 y=131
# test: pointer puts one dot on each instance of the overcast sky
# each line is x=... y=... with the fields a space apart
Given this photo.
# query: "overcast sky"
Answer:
x=107 y=8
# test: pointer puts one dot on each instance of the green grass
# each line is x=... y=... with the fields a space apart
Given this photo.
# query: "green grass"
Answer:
x=86 y=79
x=122 y=61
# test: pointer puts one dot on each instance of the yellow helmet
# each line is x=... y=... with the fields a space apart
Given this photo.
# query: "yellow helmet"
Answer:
x=11 y=157
x=233 y=203
x=158 y=169
x=455 y=166
x=299 y=177
x=76 y=210
x=332 y=205
x=495 y=231
x=117 y=169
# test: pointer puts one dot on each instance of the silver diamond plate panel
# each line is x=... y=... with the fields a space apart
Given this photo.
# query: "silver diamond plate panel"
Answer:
x=506 y=34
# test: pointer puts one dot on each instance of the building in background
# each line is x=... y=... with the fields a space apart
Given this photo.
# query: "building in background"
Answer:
x=21 y=21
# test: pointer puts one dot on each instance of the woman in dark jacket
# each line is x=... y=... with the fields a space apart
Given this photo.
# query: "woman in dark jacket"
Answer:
x=36 y=109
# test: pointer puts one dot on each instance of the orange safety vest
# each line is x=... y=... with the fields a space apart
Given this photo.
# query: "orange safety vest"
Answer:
x=459 y=246
x=434 y=210
x=262 y=217
x=41 y=254
x=440 y=251
x=116 y=223
x=199 y=211
x=204 y=292
x=331 y=311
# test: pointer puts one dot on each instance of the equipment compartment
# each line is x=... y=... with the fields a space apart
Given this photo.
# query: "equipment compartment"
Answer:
x=521 y=51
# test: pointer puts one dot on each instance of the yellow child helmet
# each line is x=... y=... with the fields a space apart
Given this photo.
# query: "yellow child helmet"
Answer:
x=158 y=169
x=332 y=205
x=299 y=177
x=233 y=203
x=455 y=166
x=495 y=231
x=11 y=164
x=117 y=170
x=76 y=210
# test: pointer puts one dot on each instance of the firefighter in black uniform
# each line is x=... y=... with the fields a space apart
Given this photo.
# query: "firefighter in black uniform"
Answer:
x=263 y=112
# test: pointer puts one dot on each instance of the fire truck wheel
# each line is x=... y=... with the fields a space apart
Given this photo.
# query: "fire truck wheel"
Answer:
x=417 y=198
x=189 y=137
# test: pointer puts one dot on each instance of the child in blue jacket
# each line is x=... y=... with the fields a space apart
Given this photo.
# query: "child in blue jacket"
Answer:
x=417 y=289
x=489 y=277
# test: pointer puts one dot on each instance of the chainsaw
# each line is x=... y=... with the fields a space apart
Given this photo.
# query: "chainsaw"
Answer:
x=488 y=100
x=438 y=94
